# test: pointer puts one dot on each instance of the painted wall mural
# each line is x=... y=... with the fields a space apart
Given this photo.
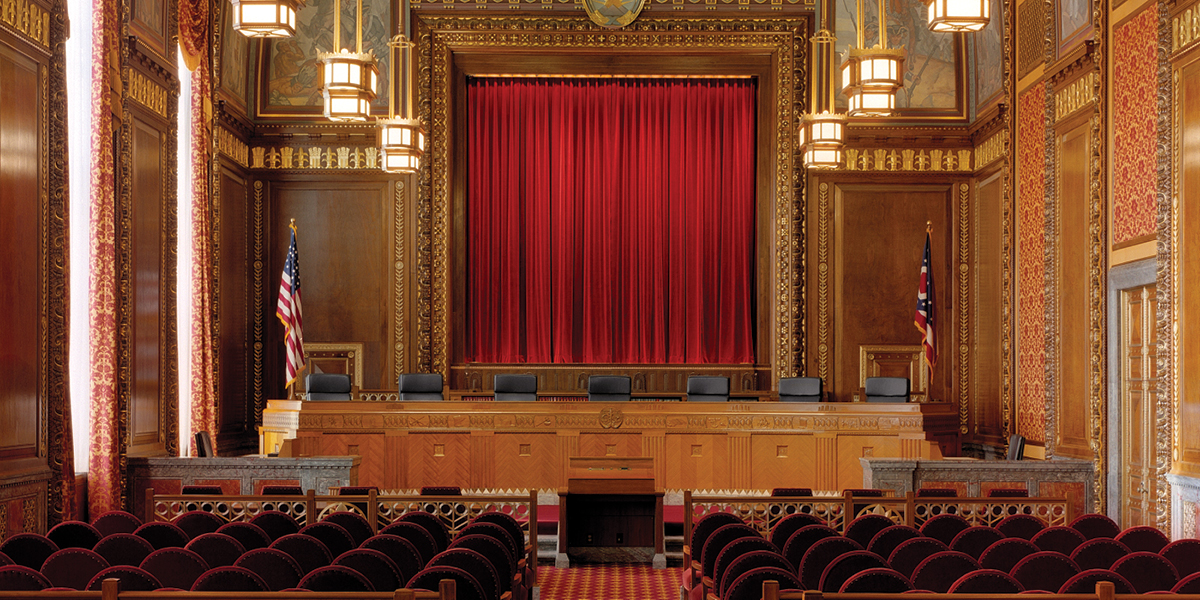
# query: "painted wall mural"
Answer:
x=234 y=56
x=1074 y=16
x=294 y=74
x=1135 y=63
x=989 y=59
x=930 y=80
x=1031 y=266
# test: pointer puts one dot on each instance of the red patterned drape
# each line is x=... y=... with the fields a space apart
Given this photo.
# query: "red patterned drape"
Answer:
x=194 y=41
x=104 y=483
x=1135 y=127
x=610 y=220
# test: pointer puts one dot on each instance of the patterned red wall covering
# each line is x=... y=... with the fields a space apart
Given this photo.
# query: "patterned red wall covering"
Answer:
x=1031 y=266
x=1135 y=62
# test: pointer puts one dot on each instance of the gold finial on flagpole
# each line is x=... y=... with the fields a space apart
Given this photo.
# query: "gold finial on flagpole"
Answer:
x=928 y=226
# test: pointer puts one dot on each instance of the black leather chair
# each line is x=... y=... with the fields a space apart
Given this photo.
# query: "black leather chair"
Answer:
x=707 y=389
x=801 y=389
x=426 y=387
x=515 y=388
x=609 y=388
x=887 y=389
x=327 y=386
x=1016 y=447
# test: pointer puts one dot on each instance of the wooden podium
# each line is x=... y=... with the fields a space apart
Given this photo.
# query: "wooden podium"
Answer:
x=610 y=501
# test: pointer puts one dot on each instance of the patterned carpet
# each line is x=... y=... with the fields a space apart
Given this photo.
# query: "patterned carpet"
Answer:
x=609 y=582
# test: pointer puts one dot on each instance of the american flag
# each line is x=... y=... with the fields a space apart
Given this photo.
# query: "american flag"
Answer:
x=288 y=311
x=925 y=301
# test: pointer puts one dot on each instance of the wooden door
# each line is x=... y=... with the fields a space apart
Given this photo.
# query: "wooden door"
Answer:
x=1139 y=342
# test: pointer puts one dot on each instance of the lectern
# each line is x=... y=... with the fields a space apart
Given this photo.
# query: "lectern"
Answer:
x=610 y=502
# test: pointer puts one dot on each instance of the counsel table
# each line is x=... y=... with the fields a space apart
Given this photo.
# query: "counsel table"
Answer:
x=506 y=445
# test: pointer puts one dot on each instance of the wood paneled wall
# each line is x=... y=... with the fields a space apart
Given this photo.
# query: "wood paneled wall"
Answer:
x=233 y=246
x=33 y=350
x=146 y=230
x=1071 y=350
x=989 y=425
x=346 y=241
x=1187 y=263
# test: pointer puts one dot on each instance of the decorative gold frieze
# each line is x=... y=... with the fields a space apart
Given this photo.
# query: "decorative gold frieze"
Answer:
x=1075 y=96
x=572 y=6
x=233 y=147
x=148 y=93
x=28 y=18
x=1185 y=28
x=314 y=157
x=823 y=282
x=882 y=159
x=990 y=150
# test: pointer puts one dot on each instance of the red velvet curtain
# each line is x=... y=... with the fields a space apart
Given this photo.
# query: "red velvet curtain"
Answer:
x=610 y=220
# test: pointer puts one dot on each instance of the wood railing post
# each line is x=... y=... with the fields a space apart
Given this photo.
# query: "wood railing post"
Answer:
x=373 y=510
x=149 y=505
x=533 y=537
x=404 y=594
x=910 y=508
x=687 y=518
x=847 y=511
x=447 y=589
x=310 y=508
x=109 y=589
x=1105 y=590
x=770 y=590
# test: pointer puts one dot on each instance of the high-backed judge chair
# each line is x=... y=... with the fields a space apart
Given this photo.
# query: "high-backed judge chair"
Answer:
x=426 y=387
x=887 y=389
x=515 y=388
x=327 y=386
x=707 y=389
x=1016 y=447
x=800 y=389
x=609 y=388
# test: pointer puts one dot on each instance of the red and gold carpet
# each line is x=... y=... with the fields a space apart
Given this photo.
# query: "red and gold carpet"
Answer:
x=609 y=582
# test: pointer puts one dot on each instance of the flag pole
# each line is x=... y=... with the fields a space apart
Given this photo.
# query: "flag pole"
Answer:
x=291 y=386
x=924 y=361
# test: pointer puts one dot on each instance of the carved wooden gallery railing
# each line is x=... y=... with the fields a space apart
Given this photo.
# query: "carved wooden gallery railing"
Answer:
x=455 y=512
x=763 y=513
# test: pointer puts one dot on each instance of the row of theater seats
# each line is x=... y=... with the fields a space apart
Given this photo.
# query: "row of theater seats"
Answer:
x=605 y=388
x=947 y=555
x=200 y=551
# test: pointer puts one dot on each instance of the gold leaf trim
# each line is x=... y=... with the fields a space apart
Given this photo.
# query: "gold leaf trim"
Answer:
x=312 y=158
x=990 y=150
x=920 y=160
x=233 y=147
x=149 y=93
x=28 y=18
x=1078 y=94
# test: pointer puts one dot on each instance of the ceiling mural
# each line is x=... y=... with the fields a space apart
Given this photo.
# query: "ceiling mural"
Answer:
x=292 y=66
x=989 y=75
x=930 y=76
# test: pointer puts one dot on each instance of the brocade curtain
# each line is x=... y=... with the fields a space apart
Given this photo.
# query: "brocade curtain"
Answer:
x=104 y=483
x=610 y=220
x=194 y=42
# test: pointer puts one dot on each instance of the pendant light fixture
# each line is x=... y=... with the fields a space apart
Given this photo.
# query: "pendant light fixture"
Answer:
x=822 y=132
x=401 y=136
x=265 y=18
x=350 y=78
x=959 y=15
x=871 y=76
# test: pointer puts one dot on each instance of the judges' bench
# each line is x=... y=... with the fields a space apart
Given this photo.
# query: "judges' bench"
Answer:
x=526 y=445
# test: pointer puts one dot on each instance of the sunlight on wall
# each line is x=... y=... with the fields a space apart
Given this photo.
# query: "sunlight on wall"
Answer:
x=183 y=268
x=79 y=141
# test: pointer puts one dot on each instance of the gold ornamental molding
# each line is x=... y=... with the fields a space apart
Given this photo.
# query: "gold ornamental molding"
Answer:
x=991 y=150
x=400 y=292
x=823 y=283
x=964 y=304
x=572 y=6
x=1185 y=28
x=313 y=158
x=440 y=37
x=921 y=160
x=28 y=19
x=233 y=147
x=1078 y=94
x=148 y=93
